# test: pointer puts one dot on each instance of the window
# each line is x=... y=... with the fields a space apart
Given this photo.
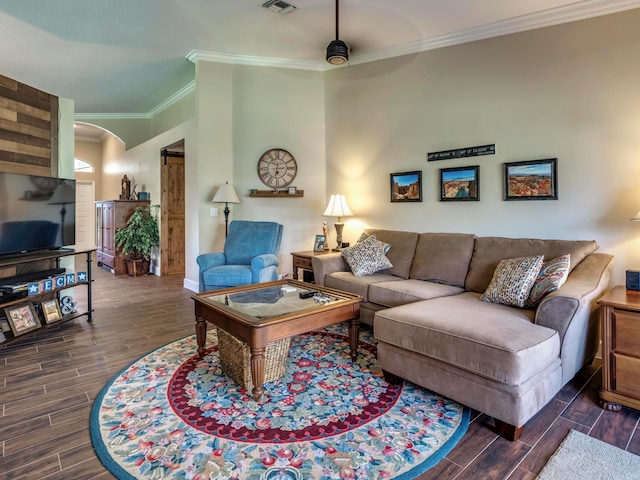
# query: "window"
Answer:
x=83 y=166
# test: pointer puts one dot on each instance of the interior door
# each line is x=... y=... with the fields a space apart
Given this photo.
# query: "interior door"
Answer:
x=85 y=215
x=172 y=249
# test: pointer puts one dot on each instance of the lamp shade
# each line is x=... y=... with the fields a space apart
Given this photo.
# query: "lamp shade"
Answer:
x=226 y=194
x=338 y=207
x=64 y=193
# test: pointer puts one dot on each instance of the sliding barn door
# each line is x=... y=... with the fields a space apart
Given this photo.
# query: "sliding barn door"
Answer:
x=172 y=248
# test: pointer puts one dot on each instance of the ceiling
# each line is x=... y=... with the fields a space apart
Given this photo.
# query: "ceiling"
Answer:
x=127 y=57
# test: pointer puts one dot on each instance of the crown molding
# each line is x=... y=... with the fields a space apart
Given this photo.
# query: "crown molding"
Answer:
x=555 y=16
x=179 y=95
x=201 y=55
x=112 y=116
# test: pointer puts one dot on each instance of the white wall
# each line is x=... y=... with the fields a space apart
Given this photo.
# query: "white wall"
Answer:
x=65 y=138
x=568 y=92
x=280 y=108
x=144 y=161
x=114 y=167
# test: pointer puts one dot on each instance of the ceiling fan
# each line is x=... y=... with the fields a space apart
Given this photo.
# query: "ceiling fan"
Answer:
x=337 y=50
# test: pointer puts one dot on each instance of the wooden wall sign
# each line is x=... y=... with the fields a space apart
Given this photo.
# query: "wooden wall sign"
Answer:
x=462 y=152
x=28 y=129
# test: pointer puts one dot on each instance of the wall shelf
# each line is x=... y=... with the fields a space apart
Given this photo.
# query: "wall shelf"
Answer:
x=277 y=194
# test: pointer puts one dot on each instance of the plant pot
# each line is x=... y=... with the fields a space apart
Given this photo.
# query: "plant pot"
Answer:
x=136 y=268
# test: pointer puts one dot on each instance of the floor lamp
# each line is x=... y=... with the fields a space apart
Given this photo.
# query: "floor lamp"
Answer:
x=226 y=194
x=338 y=207
x=62 y=195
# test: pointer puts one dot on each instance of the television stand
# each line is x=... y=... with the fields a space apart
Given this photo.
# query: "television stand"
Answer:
x=39 y=266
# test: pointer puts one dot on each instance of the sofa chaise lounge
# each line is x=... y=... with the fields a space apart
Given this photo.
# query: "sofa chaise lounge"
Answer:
x=433 y=329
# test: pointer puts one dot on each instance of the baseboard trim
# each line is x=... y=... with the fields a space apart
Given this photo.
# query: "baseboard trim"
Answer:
x=191 y=285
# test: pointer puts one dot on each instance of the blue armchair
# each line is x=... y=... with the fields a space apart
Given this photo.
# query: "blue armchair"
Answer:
x=250 y=256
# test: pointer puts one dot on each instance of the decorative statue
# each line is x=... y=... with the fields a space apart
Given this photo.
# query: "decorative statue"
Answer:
x=125 y=183
x=324 y=232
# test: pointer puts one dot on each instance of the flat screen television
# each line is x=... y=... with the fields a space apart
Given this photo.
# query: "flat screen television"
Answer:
x=36 y=213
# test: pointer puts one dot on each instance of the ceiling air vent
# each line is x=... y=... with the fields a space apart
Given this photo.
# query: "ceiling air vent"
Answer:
x=279 y=6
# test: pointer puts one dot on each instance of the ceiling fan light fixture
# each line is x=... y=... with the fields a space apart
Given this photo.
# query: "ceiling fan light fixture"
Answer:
x=337 y=52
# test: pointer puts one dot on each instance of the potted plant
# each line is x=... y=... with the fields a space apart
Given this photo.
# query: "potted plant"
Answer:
x=138 y=238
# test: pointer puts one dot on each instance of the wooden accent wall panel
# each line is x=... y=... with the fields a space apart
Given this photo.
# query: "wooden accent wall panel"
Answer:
x=28 y=128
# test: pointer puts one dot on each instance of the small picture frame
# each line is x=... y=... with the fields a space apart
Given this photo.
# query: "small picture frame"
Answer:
x=51 y=310
x=461 y=184
x=22 y=318
x=318 y=245
x=531 y=180
x=293 y=190
x=406 y=186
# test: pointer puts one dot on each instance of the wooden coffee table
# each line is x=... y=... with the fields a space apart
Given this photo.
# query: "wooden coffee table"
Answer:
x=267 y=312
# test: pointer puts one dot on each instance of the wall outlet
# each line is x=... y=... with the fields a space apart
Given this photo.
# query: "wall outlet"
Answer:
x=213 y=212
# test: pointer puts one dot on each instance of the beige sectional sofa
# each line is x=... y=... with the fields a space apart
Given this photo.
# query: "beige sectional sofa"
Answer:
x=433 y=330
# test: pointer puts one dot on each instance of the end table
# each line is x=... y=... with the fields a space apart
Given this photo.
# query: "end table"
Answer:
x=303 y=260
x=620 y=322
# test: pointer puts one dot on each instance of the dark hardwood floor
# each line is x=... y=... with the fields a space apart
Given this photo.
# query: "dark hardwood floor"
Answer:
x=49 y=381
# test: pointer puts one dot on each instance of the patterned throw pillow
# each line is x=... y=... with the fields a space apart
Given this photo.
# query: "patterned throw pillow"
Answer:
x=366 y=257
x=512 y=281
x=550 y=278
x=364 y=236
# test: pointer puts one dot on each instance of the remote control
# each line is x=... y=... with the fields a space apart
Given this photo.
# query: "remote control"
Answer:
x=308 y=294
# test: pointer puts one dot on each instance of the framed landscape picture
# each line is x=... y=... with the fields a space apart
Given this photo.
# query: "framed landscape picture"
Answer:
x=22 y=318
x=531 y=180
x=406 y=187
x=460 y=184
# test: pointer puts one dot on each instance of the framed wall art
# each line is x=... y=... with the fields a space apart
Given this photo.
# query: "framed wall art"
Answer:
x=406 y=187
x=51 y=310
x=318 y=245
x=460 y=184
x=531 y=180
x=22 y=318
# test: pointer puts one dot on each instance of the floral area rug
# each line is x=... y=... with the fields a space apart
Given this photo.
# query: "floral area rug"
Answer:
x=171 y=415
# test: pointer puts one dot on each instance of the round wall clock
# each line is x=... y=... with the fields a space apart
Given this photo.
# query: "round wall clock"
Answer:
x=277 y=168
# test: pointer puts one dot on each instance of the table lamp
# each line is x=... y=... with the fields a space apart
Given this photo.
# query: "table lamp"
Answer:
x=338 y=207
x=226 y=194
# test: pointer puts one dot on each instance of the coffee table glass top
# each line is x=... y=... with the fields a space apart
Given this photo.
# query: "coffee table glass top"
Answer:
x=276 y=300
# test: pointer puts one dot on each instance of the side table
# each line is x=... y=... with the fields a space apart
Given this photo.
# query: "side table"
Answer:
x=303 y=260
x=620 y=322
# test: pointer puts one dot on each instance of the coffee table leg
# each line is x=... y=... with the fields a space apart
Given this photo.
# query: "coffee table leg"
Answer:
x=354 y=336
x=201 y=335
x=257 y=372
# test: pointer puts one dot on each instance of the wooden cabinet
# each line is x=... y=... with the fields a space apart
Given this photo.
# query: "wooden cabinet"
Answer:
x=112 y=215
x=620 y=321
